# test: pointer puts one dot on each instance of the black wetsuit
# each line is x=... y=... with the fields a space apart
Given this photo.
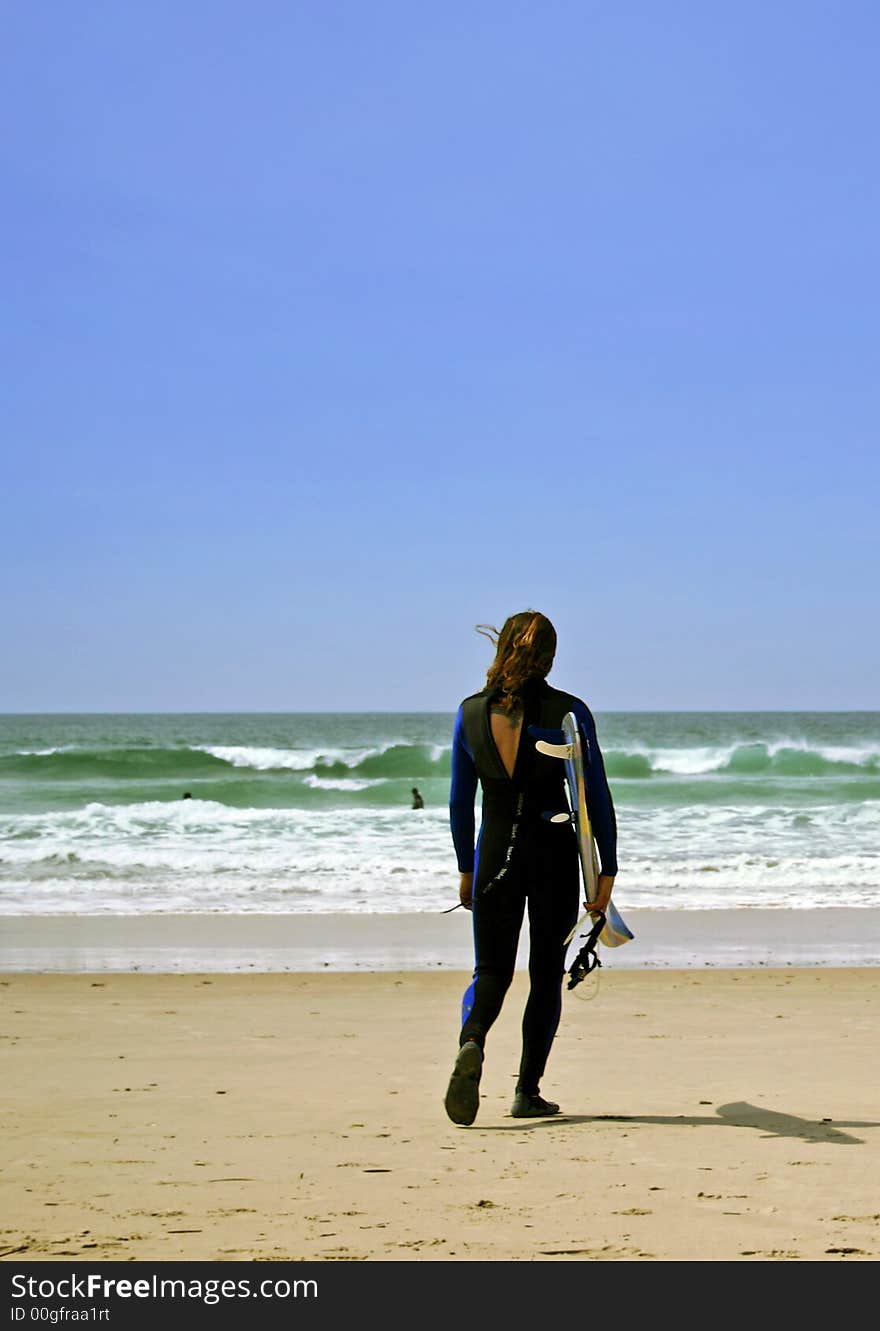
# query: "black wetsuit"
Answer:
x=522 y=858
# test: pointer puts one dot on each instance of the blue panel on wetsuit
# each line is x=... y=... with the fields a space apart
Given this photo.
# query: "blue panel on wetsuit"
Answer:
x=467 y=1002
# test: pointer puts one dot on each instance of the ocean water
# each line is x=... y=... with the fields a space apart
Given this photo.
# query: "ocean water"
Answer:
x=310 y=813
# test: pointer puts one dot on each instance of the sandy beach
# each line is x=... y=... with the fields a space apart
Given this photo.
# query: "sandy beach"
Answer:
x=721 y=1114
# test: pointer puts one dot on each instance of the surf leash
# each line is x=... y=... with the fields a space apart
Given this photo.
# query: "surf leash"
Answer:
x=587 y=959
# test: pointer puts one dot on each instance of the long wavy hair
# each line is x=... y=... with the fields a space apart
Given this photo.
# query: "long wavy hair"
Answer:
x=524 y=651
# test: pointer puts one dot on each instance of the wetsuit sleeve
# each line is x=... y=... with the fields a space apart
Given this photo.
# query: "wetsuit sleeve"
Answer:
x=601 y=806
x=462 y=793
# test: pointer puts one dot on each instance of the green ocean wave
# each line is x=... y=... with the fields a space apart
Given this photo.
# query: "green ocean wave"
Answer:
x=241 y=771
x=112 y=763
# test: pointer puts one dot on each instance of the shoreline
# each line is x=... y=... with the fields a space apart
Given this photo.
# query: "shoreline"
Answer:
x=220 y=943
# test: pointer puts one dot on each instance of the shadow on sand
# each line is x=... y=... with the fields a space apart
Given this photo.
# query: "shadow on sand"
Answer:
x=737 y=1115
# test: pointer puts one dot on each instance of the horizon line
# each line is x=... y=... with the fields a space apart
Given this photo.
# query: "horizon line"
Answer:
x=430 y=711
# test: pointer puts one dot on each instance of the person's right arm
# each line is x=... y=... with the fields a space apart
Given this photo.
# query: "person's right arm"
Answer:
x=462 y=792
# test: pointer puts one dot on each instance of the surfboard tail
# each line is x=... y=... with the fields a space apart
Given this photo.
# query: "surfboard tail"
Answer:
x=616 y=932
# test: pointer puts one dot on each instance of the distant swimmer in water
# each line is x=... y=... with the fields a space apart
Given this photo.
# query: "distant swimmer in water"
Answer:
x=418 y=802
x=187 y=794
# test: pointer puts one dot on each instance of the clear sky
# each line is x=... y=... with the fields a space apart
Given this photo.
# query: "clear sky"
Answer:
x=332 y=329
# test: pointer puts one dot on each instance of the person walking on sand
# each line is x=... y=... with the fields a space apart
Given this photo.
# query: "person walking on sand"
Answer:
x=522 y=859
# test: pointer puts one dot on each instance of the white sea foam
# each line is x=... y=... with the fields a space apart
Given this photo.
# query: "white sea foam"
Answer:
x=688 y=762
x=702 y=760
x=43 y=753
x=262 y=759
x=341 y=783
x=201 y=855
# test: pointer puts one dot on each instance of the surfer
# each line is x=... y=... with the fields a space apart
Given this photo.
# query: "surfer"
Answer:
x=522 y=859
x=418 y=802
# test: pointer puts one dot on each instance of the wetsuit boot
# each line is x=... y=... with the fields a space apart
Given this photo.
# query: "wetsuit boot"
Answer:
x=463 y=1093
x=532 y=1106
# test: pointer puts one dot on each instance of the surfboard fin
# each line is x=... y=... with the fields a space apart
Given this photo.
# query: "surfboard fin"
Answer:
x=554 y=750
x=576 y=926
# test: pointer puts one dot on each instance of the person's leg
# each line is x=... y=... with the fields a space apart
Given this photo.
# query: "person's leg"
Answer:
x=498 y=916
x=553 y=907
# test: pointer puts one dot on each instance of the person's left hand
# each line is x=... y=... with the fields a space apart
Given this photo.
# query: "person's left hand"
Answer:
x=466 y=890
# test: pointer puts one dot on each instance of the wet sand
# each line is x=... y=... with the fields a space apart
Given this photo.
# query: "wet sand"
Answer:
x=428 y=941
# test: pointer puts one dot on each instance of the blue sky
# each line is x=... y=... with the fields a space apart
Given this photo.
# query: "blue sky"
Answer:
x=333 y=329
